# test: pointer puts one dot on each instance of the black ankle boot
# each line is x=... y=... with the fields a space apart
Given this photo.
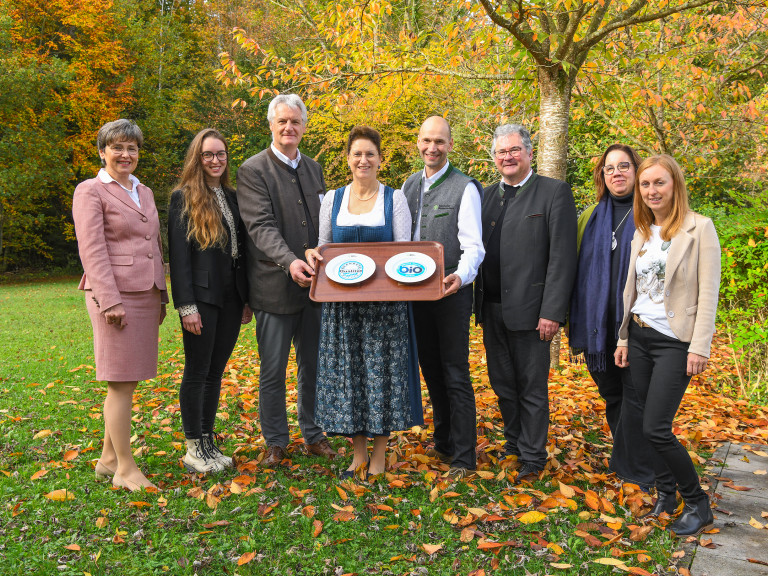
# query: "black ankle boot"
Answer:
x=695 y=519
x=665 y=502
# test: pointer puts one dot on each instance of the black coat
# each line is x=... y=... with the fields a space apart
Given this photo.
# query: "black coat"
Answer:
x=538 y=252
x=199 y=275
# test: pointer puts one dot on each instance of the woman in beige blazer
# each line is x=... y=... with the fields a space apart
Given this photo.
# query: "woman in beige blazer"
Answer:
x=670 y=300
x=118 y=237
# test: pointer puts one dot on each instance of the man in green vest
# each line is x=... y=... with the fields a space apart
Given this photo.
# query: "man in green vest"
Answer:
x=445 y=206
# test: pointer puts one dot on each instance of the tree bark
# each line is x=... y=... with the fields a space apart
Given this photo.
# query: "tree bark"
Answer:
x=552 y=153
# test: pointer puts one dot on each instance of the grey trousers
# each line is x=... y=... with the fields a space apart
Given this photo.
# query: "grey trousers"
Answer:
x=518 y=368
x=274 y=334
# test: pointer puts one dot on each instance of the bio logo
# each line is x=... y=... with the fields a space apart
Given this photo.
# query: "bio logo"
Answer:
x=410 y=269
x=350 y=270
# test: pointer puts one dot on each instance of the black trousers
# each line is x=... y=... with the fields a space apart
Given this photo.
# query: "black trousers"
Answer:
x=518 y=368
x=610 y=384
x=206 y=357
x=442 y=335
x=658 y=364
x=632 y=455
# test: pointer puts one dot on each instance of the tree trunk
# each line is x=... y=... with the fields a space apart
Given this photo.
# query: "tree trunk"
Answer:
x=552 y=152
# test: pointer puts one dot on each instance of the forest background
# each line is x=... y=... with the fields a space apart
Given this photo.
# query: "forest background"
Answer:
x=684 y=78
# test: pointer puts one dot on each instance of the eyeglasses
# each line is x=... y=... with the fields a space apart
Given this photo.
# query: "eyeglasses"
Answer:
x=514 y=151
x=208 y=156
x=131 y=150
x=361 y=155
x=621 y=167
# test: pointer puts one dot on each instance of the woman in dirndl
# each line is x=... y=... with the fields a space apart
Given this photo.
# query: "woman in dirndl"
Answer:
x=368 y=379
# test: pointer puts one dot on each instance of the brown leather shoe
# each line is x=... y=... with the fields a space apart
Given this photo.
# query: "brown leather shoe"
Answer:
x=435 y=454
x=274 y=457
x=458 y=474
x=322 y=448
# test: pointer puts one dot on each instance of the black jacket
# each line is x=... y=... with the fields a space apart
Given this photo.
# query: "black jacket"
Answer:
x=199 y=275
x=538 y=252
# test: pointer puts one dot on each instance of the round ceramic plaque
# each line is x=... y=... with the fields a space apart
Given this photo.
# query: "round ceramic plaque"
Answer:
x=410 y=267
x=350 y=268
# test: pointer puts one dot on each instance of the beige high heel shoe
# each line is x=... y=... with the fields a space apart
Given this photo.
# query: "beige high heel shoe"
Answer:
x=102 y=472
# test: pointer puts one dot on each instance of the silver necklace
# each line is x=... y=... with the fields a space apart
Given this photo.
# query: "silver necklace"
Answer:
x=614 y=242
x=351 y=189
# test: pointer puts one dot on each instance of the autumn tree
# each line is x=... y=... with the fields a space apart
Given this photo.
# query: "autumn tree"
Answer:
x=540 y=48
x=63 y=74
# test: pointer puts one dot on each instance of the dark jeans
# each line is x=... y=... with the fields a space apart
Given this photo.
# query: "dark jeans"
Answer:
x=632 y=455
x=205 y=357
x=274 y=334
x=518 y=368
x=442 y=335
x=658 y=365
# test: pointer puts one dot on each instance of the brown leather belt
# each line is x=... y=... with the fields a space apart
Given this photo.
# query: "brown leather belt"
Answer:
x=639 y=321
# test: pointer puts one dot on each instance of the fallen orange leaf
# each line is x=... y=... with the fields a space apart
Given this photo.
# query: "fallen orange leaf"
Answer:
x=39 y=474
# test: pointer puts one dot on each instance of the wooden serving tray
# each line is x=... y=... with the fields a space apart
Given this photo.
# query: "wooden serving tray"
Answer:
x=379 y=287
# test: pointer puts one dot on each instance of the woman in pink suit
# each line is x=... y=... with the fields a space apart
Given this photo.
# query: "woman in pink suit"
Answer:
x=118 y=237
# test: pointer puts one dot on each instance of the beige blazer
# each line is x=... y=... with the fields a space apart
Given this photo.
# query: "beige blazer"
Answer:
x=691 y=285
x=119 y=243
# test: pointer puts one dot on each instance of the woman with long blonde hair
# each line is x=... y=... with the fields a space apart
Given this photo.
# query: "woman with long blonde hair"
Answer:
x=670 y=301
x=210 y=289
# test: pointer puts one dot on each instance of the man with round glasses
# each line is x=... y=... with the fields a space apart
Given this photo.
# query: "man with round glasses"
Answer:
x=523 y=290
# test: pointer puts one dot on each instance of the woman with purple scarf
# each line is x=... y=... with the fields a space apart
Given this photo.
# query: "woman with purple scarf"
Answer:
x=605 y=232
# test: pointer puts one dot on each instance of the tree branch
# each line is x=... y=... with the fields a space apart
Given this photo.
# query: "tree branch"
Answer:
x=739 y=73
x=525 y=37
x=305 y=15
x=570 y=31
x=627 y=18
x=429 y=69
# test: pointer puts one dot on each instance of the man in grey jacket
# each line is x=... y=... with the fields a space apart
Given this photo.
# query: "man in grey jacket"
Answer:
x=523 y=290
x=279 y=193
x=445 y=207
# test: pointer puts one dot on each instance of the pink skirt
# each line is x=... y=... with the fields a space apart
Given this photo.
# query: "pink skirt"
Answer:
x=127 y=354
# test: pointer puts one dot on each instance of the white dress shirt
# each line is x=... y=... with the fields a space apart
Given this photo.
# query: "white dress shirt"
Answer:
x=104 y=176
x=292 y=163
x=470 y=227
x=519 y=184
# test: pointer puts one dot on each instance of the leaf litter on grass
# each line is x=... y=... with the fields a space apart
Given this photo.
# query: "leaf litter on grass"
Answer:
x=578 y=513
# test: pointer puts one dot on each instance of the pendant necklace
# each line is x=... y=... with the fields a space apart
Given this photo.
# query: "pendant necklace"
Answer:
x=614 y=242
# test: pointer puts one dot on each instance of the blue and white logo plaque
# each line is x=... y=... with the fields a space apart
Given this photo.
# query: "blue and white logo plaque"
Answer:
x=350 y=268
x=410 y=267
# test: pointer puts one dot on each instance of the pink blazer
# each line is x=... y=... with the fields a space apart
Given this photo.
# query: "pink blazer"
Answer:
x=119 y=243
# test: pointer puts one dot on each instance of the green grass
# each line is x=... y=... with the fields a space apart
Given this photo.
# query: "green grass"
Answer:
x=50 y=405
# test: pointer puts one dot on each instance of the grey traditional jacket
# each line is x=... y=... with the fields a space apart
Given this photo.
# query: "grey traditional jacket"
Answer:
x=280 y=207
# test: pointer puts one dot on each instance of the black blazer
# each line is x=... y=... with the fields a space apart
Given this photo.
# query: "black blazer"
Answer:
x=538 y=252
x=198 y=275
